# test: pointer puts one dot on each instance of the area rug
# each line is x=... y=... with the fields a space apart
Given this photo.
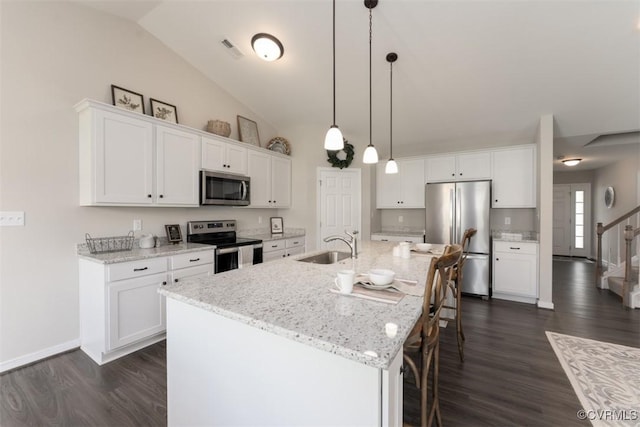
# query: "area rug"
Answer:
x=605 y=377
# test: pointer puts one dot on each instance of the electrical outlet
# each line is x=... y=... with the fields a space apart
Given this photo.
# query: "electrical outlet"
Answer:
x=15 y=218
x=137 y=224
x=259 y=220
x=400 y=218
x=507 y=220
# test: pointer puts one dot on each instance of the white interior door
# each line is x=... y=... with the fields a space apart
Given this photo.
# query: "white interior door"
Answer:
x=572 y=219
x=338 y=204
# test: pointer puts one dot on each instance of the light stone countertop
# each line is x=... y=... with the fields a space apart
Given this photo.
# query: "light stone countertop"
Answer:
x=292 y=299
x=266 y=236
x=137 y=253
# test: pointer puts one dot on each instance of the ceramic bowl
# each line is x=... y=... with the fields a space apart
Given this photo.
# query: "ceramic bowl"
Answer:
x=381 y=276
x=423 y=247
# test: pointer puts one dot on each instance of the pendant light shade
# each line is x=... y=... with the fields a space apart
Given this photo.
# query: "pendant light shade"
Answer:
x=392 y=166
x=370 y=155
x=334 y=140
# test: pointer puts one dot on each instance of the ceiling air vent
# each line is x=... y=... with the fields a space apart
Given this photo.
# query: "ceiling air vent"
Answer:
x=232 y=49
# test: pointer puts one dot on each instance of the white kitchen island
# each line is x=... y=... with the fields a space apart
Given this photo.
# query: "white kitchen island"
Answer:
x=270 y=345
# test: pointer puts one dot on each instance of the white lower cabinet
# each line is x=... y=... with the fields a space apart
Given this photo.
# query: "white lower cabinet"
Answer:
x=121 y=310
x=515 y=271
x=282 y=248
x=136 y=310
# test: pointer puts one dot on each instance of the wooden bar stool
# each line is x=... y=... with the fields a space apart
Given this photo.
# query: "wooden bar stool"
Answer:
x=423 y=340
x=455 y=286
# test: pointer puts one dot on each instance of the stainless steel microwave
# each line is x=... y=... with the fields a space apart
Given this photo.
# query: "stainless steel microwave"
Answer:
x=224 y=189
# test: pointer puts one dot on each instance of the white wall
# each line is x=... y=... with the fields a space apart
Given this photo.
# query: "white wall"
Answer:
x=53 y=55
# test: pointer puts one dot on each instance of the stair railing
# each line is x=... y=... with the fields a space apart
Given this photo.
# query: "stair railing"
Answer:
x=629 y=235
x=600 y=230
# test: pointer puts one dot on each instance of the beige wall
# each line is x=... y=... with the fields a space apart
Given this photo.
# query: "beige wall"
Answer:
x=53 y=55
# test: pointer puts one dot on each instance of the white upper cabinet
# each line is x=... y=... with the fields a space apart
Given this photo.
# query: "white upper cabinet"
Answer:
x=459 y=167
x=116 y=159
x=177 y=160
x=221 y=156
x=127 y=159
x=270 y=175
x=514 y=177
x=404 y=189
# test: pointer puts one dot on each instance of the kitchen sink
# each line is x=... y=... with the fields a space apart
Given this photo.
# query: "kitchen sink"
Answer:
x=329 y=257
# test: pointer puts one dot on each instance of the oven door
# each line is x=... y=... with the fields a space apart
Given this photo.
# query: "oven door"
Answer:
x=226 y=259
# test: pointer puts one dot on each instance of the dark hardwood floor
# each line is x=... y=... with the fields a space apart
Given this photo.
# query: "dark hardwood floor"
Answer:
x=510 y=376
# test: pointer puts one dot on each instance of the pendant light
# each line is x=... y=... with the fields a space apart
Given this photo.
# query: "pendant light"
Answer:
x=334 y=140
x=391 y=166
x=370 y=155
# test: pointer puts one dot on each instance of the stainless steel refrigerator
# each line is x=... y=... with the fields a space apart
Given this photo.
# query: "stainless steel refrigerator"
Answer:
x=451 y=208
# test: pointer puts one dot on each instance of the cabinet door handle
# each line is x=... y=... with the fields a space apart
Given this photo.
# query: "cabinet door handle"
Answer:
x=511 y=247
x=141 y=269
x=460 y=173
x=149 y=195
x=164 y=283
x=194 y=260
x=384 y=240
x=161 y=196
x=274 y=246
x=496 y=200
x=497 y=259
x=175 y=280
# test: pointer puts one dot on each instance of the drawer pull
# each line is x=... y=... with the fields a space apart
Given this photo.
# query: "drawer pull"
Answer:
x=194 y=260
x=141 y=269
x=510 y=247
x=295 y=243
x=274 y=246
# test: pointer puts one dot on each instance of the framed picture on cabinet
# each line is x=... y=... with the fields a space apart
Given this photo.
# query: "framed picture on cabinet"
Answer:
x=276 y=225
x=248 y=131
x=127 y=99
x=174 y=235
x=163 y=111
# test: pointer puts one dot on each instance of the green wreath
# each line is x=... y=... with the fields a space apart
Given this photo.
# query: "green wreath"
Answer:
x=338 y=163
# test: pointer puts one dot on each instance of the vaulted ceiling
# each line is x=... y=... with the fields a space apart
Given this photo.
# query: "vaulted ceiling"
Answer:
x=469 y=74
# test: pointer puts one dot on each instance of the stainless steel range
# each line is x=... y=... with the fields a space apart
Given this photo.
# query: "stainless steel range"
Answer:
x=231 y=251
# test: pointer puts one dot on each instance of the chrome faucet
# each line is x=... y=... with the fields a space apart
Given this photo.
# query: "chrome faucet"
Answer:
x=352 y=242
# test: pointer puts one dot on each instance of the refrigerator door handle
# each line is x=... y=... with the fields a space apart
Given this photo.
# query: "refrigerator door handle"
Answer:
x=453 y=215
x=458 y=231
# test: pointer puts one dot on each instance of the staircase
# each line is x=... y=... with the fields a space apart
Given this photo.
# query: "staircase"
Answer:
x=622 y=277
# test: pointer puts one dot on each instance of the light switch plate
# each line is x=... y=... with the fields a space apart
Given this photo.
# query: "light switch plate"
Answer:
x=137 y=224
x=13 y=218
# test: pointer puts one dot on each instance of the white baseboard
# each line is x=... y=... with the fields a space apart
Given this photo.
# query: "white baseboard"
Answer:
x=545 y=304
x=38 y=355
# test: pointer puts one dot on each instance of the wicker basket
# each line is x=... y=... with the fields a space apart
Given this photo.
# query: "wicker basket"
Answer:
x=219 y=127
x=99 y=245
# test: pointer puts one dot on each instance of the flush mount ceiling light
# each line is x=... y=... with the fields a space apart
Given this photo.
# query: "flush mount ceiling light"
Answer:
x=334 y=140
x=370 y=154
x=391 y=166
x=571 y=162
x=267 y=47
